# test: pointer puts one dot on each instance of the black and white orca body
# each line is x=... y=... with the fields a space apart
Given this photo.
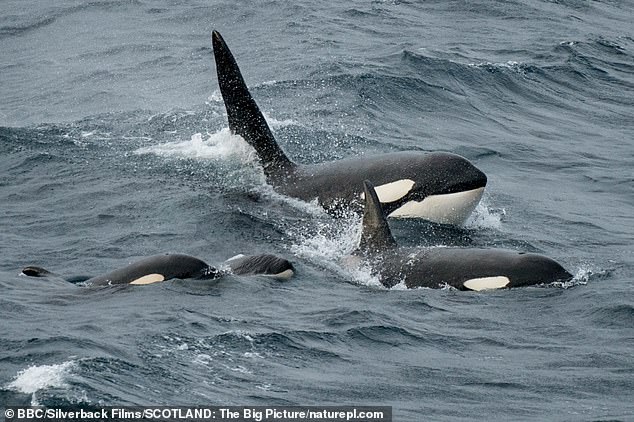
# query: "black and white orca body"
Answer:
x=464 y=269
x=269 y=265
x=439 y=187
x=164 y=267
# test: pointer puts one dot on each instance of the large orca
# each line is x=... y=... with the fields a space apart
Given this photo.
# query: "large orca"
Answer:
x=158 y=268
x=462 y=268
x=438 y=186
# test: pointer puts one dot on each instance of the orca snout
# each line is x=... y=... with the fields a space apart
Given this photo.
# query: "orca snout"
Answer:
x=265 y=264
x=479 y=178
x=470 y=176
x=539 y=269
x=453 y=173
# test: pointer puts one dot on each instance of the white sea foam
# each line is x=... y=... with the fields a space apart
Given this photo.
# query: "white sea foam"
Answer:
x=215 y=97
x=311 y=208
x=331 y=241
x=36 y=378
x=202 y=359
x=511 y=64
x=330 y=247
x=485 y=216
x=240 y=334
x=580 y=277
x=218 y=146
x=239 y=368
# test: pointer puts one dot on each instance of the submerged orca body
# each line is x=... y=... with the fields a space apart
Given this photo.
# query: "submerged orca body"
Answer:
x=158 y=268
x=439 y=186
x=462 y=268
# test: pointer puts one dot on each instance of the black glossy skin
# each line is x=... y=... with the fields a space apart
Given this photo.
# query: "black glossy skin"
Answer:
x=169 y=266
x=179 y=266
x=434 y=173
x=437 y=267
x=259 y=264
x=338 y=182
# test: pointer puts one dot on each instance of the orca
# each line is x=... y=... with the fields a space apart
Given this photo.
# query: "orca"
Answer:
x=438 y=186
x=437 y=267
x=157 y=268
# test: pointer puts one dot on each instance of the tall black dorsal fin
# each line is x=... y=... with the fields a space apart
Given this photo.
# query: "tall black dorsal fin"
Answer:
x=376 y=235
x=245 y=118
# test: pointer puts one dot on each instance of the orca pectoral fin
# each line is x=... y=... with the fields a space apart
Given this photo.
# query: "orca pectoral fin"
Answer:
x=245 y=118
x=376 y=234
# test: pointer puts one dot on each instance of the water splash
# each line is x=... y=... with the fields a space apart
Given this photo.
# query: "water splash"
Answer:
x=310 y=208
x=215 y=97
x=329 y=240
x=580 y=278
x=36 y=378
x=517 y=67
x=486 y=216
x=221 y=145
x=330 y=243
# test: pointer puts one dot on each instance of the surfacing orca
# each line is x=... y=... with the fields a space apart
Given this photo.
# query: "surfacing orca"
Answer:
x=462 y=268
x=439 y=186
x=158 y=268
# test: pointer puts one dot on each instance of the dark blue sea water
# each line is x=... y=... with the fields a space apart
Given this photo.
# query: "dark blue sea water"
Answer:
x=114 y=145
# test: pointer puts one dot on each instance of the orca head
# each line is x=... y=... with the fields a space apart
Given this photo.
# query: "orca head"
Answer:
x=519 y=269
x=537 y=269
x=265 y=264
x=446 y=190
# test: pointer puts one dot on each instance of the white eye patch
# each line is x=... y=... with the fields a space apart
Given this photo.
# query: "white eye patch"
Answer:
x=393 y=191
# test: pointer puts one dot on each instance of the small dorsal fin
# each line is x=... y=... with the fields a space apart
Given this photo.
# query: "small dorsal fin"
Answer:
x=245 y=118
x=376 y=235
x=33 y=271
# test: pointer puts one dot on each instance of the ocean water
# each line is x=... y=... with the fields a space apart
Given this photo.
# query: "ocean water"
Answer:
x=114 y=145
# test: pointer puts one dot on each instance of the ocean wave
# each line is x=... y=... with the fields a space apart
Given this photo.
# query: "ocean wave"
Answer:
x=616 y=316
x=35 y=378
x=54 y=14
x=21 y=28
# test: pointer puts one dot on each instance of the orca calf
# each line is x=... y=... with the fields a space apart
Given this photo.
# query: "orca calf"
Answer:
x=158 y=268
x=462 y=268
x=439 y=186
